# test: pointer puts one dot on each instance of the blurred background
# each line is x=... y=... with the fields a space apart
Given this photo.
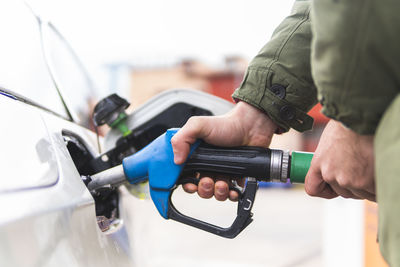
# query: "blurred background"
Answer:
x=118 y=38
x=141 y=48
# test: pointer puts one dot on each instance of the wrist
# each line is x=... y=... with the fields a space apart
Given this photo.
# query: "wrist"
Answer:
x=252 y=116
x=257 y=125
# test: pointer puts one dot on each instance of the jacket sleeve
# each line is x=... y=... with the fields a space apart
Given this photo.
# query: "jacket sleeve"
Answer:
x=356 y=59
x=278 y=80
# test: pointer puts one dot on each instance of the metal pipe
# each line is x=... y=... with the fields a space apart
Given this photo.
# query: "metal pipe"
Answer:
x=111 y=176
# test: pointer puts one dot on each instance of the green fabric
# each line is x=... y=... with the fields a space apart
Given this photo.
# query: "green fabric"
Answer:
x=356 y=67
x=356 y=59
x=387 y=161
x=284 y=60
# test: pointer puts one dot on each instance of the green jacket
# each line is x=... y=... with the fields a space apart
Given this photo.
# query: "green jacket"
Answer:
x=349 y=50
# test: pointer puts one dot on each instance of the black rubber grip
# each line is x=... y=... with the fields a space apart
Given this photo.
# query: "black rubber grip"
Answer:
x=235 y=162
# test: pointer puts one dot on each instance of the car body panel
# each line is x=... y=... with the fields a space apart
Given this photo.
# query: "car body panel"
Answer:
x=31 y=161
x=53 y=224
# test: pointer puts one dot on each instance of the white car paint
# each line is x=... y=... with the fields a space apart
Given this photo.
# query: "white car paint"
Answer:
x=48 y=216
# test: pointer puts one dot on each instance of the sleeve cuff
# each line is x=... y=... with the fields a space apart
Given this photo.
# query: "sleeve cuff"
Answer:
x=256 y=91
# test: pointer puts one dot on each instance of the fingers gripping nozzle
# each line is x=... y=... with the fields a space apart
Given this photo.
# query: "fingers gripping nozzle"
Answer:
x=155 y=162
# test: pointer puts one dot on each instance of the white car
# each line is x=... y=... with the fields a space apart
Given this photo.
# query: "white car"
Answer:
x=48 y=216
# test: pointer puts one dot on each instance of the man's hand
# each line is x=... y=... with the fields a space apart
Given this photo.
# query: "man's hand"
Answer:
x=343 y=165
x=245 y=125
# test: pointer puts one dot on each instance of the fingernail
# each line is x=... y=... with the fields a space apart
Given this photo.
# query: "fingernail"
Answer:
x=207 y=186
x=177 y=158
x=221 y=190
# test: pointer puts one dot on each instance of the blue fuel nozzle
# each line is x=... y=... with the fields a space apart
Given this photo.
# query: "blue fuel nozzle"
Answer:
x=155 y=162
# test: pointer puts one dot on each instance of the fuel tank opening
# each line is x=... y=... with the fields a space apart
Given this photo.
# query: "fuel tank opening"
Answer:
x=106 y=199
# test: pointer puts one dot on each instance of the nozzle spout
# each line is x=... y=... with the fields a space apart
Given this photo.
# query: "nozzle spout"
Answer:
x=111 y=176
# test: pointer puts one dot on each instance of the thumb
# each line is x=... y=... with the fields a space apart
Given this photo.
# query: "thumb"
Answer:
x=195 y=128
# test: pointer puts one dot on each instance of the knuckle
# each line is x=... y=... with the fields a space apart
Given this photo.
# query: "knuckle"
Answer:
x=193 y=121
x=343 y=181
x=330 y=179
x=327 y=174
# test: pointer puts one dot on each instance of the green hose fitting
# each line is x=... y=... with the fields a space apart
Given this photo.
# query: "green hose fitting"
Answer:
x=299 y=164
x=120 y=124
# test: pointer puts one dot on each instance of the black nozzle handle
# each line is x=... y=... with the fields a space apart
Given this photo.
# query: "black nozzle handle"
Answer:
x=235 y=162
x=243 y=217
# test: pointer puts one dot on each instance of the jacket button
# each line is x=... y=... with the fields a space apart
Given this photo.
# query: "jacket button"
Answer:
x=322 y=100
x=279 y=90
x=287 y=113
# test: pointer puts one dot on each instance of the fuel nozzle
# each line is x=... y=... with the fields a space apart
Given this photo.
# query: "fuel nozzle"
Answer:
x=155 y=163
x=111 y=111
